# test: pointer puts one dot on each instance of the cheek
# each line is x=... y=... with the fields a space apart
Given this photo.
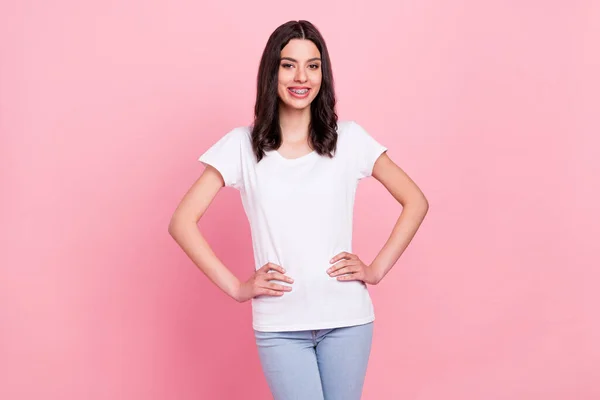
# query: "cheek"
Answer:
x=317 y=83
x=285 y=76
x=282 y=77
x=316 y=80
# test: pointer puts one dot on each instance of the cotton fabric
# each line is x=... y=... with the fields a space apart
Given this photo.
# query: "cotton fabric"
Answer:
x=300 y=214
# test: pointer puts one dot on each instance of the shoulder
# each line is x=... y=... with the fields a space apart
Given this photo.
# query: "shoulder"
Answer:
x=344 y=130
x=240 y=133
x=350 y=128
x=233 y=142
x=344 y=126
x=238 y=137
x=350 y=133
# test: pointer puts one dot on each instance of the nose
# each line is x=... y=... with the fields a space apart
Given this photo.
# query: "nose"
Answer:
x=300 y=75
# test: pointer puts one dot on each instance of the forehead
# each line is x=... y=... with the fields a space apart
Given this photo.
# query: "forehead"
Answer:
x=300 y=49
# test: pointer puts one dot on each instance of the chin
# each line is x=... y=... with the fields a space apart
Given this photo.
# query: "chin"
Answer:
x=300 y=107
x=296 y=106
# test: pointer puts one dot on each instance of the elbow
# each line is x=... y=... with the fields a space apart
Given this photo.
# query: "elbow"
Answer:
x=180 y=223
x=172 y=228
x=420 y=207
x=418 y=203
x=425 y=208
x=425 y=204
x=175 y=225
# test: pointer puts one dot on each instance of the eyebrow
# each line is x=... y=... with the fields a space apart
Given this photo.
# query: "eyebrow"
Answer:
x=293 y=60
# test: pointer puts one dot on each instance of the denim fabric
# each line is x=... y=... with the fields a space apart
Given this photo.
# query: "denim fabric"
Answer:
x=326 y=364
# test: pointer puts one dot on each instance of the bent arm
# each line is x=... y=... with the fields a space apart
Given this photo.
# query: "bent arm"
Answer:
x=183 y=227
x=414 y=208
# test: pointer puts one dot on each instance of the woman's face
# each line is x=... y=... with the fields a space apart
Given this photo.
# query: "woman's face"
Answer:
x=299 y=74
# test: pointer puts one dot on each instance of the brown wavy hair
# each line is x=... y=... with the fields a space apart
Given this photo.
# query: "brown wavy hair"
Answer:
x=266 y=132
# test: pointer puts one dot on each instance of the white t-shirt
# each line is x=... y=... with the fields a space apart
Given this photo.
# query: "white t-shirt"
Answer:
x=300 y=213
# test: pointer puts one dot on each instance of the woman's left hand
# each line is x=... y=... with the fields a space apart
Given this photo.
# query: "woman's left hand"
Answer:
x=354 y=267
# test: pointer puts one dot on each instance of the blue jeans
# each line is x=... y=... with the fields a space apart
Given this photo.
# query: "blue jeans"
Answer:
x=327 y=364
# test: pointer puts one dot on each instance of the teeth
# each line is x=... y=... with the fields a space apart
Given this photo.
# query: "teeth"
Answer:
x=299 y=91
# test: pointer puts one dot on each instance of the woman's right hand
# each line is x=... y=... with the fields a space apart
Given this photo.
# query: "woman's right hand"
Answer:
x=259 y=283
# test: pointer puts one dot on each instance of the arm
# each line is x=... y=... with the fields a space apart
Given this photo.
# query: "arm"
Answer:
x=414 y=208
x=183 y=227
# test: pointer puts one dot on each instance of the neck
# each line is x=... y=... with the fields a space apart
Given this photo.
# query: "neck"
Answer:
x=294 y=124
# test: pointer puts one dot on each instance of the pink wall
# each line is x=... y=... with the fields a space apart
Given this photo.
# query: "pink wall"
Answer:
x=491 y=106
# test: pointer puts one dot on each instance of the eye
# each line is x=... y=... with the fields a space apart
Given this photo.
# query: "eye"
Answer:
x=286 y=65
x=316 y=66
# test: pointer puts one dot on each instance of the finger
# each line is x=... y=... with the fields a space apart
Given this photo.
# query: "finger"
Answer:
x=269 y=292
x=356 y=276
x=341 y=264
x=279 y=277
x=268 y=266
x=264 y=268
x=343 y=254
x=337 y=266
x=338 y=256
x=275 y=286
x=345 y=270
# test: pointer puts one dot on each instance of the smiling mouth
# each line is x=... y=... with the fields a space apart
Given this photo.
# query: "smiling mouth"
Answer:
x=299 y=93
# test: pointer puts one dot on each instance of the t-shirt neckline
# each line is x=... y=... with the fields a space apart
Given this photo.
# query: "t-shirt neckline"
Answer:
x=292 y=160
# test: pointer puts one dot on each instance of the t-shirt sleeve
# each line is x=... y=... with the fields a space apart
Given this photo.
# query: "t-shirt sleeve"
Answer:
x=226 y=156
x=366 y=150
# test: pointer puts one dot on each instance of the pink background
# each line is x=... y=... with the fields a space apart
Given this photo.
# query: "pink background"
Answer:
x=491 y=106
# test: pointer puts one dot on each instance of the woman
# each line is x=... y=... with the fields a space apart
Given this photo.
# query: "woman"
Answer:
x=297 y=170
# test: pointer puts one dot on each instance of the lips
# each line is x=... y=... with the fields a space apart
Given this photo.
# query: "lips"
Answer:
x=299 y=95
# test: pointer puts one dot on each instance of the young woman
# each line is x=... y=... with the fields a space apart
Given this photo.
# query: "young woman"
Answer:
x=297 y=169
